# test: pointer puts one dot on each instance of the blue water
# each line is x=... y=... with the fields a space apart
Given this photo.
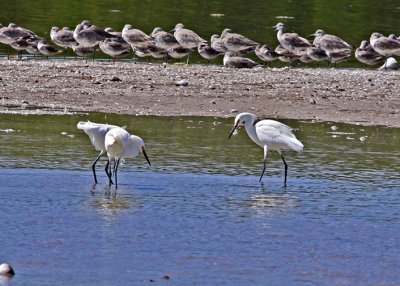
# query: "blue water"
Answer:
x=336 y=223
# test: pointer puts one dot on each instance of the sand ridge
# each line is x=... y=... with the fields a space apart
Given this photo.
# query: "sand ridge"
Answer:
x=367 y=97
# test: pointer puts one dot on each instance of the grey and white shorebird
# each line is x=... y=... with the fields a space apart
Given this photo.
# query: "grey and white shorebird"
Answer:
x=291 y=41
x=151 y=50
x=63 y=38
x=90 y=36
x=367 y=55
x=179 y=52
x=22 y=44
x=232 y=61
x=394 y=37
x=306 y=59
x=12 y=33
x=83 y=51
x=155 y=31
x=32 y=49
x=330 y=44
x=157 y=52
x=285 y=55
x=164 y=40
x=117 y=36
x=46 y=49
x=114 y=49
x=265 y=53
x=187 y=38
x=339 y=57
x=208 y=52
x=142 y=52
x=235 y=42
x=383 y=45
x=217 y=44
x=135 y=37
x=317 y=54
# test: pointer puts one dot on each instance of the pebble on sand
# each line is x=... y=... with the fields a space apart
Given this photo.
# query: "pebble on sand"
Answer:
x=182 y=82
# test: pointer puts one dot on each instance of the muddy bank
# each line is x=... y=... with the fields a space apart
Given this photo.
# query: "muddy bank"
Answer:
x=367 y=97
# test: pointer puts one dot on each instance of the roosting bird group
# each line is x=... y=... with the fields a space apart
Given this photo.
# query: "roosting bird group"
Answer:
x=180 y=42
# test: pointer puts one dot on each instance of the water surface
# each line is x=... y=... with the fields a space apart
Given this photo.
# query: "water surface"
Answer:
x=199 y=214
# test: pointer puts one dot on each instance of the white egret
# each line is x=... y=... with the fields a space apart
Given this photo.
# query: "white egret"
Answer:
x=97 y=134
x=268 y=134
x=120 y=145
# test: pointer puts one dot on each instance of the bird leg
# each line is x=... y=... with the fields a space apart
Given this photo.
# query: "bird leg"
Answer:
x=94 y=167
x=108 y=173
x=265 y=161
x=286 y=166
x=116 y=164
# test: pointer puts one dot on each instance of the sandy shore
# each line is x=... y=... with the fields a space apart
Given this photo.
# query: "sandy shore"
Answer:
x=368 y=97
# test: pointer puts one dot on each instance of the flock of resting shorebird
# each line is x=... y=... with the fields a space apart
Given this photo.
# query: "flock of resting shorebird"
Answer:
x=180 y=42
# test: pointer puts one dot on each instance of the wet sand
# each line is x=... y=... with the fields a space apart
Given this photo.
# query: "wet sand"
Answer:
x=367 y=97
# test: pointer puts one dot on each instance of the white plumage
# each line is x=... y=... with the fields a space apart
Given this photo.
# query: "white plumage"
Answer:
x=97 y=133
x=120 y=145
x=268 y=134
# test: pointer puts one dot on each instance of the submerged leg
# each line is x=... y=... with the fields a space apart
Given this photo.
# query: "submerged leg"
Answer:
x=265 y=161
x=286 y=166
x=109 y=172
x=94 y=167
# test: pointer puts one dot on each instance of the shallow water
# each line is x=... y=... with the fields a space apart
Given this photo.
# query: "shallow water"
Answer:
x=199 y=214
x=354 y=21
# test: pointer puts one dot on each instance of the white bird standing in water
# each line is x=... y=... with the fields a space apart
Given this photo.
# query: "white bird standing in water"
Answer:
x=268 y=134
x=119 y=145
x=97 y=134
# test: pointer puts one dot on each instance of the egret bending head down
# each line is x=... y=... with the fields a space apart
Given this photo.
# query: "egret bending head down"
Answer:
x=121 y=145
x=268 y=134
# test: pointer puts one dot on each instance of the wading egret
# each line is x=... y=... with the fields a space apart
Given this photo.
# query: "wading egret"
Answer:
x=121 y=145
x=97 y=134
x=268 y=134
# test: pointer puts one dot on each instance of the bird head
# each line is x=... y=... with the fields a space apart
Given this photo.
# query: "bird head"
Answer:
x=279 y=26
x=241 y=119
x=139 y=144
x=318 y=33
x=177 y=27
